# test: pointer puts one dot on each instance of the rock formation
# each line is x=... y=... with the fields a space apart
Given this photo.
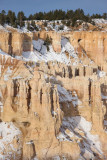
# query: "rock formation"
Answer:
x=52 y=110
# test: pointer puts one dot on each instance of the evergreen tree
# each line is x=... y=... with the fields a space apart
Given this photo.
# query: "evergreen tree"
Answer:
x=2 y=17
x=74 y=22
x=63 y=22
x=11 y=18
x=21 y=18
x=45 y=24
x=68 y=23
x=61 y=27
x=69 y=14
x=30 y=17
x=105 y=16
x=47 y=42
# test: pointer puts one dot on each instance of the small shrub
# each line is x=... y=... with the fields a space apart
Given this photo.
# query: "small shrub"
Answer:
x=68 y=23
x=45 y=24
x=47 y=42
x=61 y=27
x=54 y=25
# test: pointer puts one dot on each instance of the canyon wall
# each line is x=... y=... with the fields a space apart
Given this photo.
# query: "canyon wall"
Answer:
x=92 y=43
x=14 y=43
x=54 y=113
x=4 y=41
x=21 y=42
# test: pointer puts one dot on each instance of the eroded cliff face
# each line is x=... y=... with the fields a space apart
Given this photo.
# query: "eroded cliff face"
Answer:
x=94 y=44
x=49 y=113
x=4 y=41
x=15 y=43
x=50 y=109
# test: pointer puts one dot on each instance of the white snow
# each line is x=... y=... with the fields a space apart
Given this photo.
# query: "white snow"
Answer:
x=66 y=46
x=79 y=122
x=56 y=158
x=40 y=52
x=8 y=132
x=17 y=77
x=105 y=122
x=101 y=74
x=3 y=28
x=66 y=96
x=99 y=21
x=45 y=55
x=8 y=74
x=1 y=106
x=38 y=44
x=30 y=142
x=103 y=97
x=21 y=30
x=3 y=53
x=62 y=137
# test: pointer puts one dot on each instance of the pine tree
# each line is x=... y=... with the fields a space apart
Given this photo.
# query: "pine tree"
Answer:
x=68 y=23
x=21 y=18
x=11 y=18
x=73 y=22
x=47 y=42
x=2 y=17
x=105 y=16
x=45 y=24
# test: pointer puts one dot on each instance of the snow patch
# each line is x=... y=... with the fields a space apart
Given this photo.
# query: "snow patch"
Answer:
x=101 y=74
x=100 y=21
x=79 y=122
x=66 y=46
x=8 y=131
x=66 y=96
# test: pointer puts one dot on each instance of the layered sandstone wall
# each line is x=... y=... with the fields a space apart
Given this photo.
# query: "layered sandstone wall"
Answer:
x=21 y=42
x=92 y=43
x=14 y=43
x=5 y=37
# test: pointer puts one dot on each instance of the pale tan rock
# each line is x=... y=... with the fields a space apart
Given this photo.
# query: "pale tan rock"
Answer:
x=39 y=100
